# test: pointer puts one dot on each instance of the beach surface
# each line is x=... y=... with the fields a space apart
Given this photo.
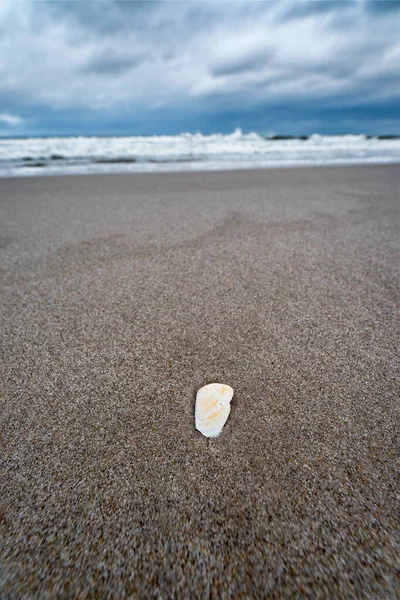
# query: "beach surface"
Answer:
x=121 y=296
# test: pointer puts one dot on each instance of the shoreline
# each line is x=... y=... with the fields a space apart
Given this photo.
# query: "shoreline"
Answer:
x=38 y=174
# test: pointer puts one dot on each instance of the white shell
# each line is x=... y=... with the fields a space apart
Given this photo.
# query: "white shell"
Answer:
x=212 y=408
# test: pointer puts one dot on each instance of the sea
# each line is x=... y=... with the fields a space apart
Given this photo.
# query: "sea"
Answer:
x=27 y=156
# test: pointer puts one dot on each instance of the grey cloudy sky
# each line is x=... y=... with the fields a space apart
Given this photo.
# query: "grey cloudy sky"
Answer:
x=287 y=66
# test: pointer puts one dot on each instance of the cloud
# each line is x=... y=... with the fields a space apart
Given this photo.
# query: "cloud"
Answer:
x=382 y=6
x=303 y=9
x=160 y=62
x=10 y=119
x=109 y=63
x=240 y=54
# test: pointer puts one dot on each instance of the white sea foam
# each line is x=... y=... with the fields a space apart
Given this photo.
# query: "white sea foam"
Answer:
x=28 y=156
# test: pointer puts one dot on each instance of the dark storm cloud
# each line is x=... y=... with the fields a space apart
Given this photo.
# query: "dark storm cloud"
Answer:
x=303 y=9
x=382 y=6
x=164 y=63
x=241 y=64
x=102 y=17
x=107 y=64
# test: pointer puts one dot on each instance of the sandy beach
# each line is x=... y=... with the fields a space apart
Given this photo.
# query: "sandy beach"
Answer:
x=121 y=296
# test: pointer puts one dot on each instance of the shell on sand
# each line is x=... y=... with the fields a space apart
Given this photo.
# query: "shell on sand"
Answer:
x=213 y=408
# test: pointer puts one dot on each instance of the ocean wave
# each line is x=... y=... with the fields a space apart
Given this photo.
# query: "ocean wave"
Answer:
x=185 y=151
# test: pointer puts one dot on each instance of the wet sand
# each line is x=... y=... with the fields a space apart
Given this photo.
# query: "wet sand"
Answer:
x=121 y=296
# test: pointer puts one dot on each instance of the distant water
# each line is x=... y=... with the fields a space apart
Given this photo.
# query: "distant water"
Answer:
x=187 y=152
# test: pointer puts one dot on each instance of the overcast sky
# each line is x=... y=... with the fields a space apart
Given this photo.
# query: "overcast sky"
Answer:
x=114 y=67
